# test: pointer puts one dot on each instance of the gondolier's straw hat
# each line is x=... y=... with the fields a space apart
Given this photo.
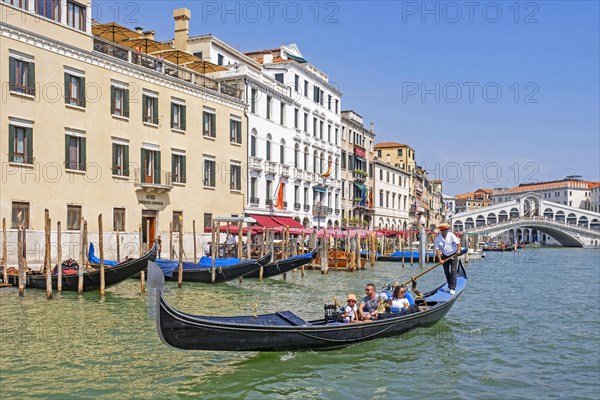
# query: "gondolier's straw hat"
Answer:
x=443 y=226
x=351 y=297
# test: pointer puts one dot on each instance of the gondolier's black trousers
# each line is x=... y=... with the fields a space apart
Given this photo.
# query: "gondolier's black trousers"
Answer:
x=450 y=270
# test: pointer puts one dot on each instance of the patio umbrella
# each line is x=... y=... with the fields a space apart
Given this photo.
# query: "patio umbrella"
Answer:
x=205 y=67
x=177 y=56
x=148 y=45
x=114 y=32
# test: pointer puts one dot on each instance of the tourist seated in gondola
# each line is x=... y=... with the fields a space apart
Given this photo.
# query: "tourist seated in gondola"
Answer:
x=367 y=310
x=350 y=312
x=399 y=301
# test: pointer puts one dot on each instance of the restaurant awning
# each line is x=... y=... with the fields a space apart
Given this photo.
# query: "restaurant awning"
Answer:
x=265 y=221
x=319 y=189
x=288 y=221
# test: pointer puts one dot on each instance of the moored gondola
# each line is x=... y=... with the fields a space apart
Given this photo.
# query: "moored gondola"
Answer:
x=203 y=273
x=91 y=279
x=281 y=266
x=286 y=331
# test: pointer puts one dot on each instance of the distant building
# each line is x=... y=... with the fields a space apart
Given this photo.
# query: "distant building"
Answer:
x=473 y=200
x=571 y=191
x=357 y=155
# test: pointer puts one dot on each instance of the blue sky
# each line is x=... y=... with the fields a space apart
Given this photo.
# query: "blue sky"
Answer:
x=488 y=94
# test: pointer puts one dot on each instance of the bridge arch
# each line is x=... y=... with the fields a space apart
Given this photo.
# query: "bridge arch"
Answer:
x=583 y=221
x=549 y=213
x=560 y=216
x=595 y=224
x=480 y=221
x=458 y=226
x=514 y=213
x=572 y=219
x=531 y=205
x=502 y=216
x=469 y=224
x=491 y=219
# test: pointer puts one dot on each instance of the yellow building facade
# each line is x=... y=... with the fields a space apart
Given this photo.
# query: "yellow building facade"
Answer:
x=91 y=127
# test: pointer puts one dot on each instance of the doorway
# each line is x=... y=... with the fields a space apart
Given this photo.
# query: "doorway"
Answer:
x=148 y=227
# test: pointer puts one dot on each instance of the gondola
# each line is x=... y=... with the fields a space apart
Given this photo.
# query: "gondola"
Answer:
x=203 y=273
x=113 y=275
x=286 y=331
x=281 y=266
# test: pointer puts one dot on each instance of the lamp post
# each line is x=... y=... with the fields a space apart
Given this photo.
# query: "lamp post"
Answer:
x=422 y=240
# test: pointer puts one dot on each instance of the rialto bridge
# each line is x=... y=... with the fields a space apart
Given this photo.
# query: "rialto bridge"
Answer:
x=530 y=218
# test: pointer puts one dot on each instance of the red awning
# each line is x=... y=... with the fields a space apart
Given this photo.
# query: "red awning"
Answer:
x=288 y=221
x=265 y=221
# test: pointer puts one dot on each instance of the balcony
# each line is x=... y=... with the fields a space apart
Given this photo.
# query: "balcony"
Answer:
x=337 y=211
x=297 y=206
x=164 y=67
x=156 y=180
x=254 y=201
x=298 y=174
x=285 y=205
x=255 y=163
x=285 y=170
x=269 y=202
x=360 y=175
x=306 y=207
x=270 y=167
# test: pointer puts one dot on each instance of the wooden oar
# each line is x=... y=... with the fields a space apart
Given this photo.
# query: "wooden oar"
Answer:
x=421 y=274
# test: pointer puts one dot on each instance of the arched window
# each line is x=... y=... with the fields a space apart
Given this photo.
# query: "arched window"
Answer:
x=315 y=162
x=306 y=159
x=480 y=221
x=268 y=157
x=282 y=151
x=502 y=216
x=560 y=216
x=297 y=156
x=548 y=213
x=491 y=219
x=253 y=143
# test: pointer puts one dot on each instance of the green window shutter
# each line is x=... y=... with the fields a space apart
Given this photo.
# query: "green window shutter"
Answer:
x=67 y=137
x=126 y=160
x=82 y=159
x=126 y=102
x=155 y=111
x=231 y=134
x=82 y=92
x=213 y=118
x=112 y=101
x=11 y=142
x=182 y=117
x=172 y=114
x=182 y=170
x=29 y=148
x=143 y=107
x=11 y=70
x=173 y=164
x=157 y=167
x=143 y=165
x=31 y=79
x=66 y=88
x=114 y=158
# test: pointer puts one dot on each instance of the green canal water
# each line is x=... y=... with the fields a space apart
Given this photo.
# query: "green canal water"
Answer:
x=528 y=326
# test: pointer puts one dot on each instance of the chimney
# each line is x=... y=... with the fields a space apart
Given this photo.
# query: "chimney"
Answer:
x=267 y=58
x=372 y=126
x=139 y=30
x=149 y=34
x=182 y=28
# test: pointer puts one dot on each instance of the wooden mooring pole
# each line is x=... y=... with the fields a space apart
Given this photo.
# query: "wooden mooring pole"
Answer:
x=58 y=257
x=194 y=237
x=81 y=257
x=47 y=263
x=180 y=265
x=20 y=259
x=4 y=253
x=101 y=250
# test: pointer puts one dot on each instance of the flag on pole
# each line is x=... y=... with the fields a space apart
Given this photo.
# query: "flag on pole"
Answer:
x=279 y=198
x=328 y=172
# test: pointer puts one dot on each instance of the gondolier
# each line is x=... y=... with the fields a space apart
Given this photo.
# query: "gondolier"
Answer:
x=447 y=250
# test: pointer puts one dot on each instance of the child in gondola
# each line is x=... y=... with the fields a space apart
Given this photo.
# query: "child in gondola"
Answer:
x=349 y=312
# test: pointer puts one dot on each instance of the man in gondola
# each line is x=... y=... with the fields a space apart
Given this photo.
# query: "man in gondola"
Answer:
x=367 y=310
x=447 y=248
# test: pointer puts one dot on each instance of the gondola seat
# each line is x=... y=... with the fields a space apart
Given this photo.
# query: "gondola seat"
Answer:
x=291 y=318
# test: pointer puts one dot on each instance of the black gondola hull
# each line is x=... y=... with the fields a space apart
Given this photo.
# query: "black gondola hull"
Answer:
x=287 y=332
x=222 y=274
x=282 y=266
x=91 y=279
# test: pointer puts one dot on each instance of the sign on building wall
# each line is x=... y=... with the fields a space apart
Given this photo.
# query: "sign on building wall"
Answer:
x=153 y=200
